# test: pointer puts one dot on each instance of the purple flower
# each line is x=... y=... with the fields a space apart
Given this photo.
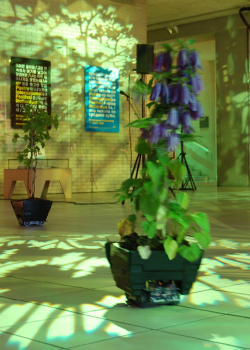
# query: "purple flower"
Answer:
x=164 y=94
x=186 y=122
x=175 y=92
x=167 y=61
x=182 y=60
x=196 y=83
x=195 y=60
x=163 y=131
x=172 y=141
x=155 y=92
x=144 y=134
x=159 y=61
x=198 y=113
x=170 y=89
x=199 y=82
x=155 y=133
x=184 y=95
x=193 y=103
x=173 y=119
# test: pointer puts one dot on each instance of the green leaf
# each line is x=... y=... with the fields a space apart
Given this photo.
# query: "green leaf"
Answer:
x=182 y=199
x=149 y=187
x=156 y=172
x=164 y=160
x=171 y=247
x=161 y=217
x=149 y=228
x=131 y=218
x=167 y=47
x=178 y=170
x=188 y=137
x=203 y=238
x=201 y=220
x=150 y=104
x=140 y=87
x=20 y=158
x=141 y=123
x=190 y=253
x=162 y=156
x=190 y=41
x=150 y=83
x=180 y=42
x=149 y=204
x=142 y=146
x=149 y=217
x=27 y=163
x=131 y=183
x=137 y=191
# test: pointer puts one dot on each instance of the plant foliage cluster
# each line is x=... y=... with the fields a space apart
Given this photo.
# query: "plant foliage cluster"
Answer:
x=159 y=219
x=36 y=131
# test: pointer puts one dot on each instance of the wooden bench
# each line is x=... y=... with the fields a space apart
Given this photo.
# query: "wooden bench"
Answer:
x=43 y=178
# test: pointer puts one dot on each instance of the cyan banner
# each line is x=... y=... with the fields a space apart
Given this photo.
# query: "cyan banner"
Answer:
x=101 y=99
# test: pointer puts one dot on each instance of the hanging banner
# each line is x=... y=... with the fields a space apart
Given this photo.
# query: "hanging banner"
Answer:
x=101 y=99
x=30 y=85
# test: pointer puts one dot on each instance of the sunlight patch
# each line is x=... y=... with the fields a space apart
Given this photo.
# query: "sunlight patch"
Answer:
x=63 y=327
x=4 y=290
x=68 y=258
x=210 y=264
x=88 y=266
x=14 y=313
x=211 y=297
x=232 y=341
x=7 y=253
x=91 y=324
x=114 y=330
x=110 y=300
x=64 y=246
x=16 y=242
x=242 y=266
x=242 y=302
x=16 y=265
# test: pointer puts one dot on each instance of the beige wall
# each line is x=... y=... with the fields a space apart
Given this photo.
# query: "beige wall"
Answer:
x=72 y=34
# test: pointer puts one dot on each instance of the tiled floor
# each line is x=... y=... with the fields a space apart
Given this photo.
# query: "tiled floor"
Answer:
x=57 y=292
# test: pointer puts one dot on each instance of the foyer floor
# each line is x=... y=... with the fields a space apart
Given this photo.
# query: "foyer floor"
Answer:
x=57 y=292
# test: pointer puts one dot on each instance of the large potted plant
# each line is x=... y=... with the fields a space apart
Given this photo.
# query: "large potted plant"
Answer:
x=36 y=131
x=161 y=241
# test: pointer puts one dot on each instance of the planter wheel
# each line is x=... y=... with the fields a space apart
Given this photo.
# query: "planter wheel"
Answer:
x=140 y=300
x=28 y=223
x=143 y=299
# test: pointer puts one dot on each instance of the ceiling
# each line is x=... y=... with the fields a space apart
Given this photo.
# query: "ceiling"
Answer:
x=176 y=12
x=171 y=13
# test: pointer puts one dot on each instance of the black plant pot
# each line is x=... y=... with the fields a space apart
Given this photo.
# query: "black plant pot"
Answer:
x=133 y=274
x=32 y=211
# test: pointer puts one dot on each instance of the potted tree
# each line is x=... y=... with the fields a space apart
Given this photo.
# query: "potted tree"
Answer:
x=36 y=131
x=161 y=241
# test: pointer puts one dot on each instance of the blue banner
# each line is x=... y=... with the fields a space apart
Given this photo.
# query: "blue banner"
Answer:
x=101 y=99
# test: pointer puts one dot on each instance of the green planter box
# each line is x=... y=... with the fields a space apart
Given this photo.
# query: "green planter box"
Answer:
x=32 y=211
x=130 y=271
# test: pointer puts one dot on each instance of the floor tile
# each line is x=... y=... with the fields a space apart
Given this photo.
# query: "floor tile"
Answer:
x=155 y=340
x=14 y=312
x=160 y=316
x=69 y=298
x=74 y=330
x=228 y=330
x=31 y=290
x=81 y=297
x=13 y=342
x=214 y=300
